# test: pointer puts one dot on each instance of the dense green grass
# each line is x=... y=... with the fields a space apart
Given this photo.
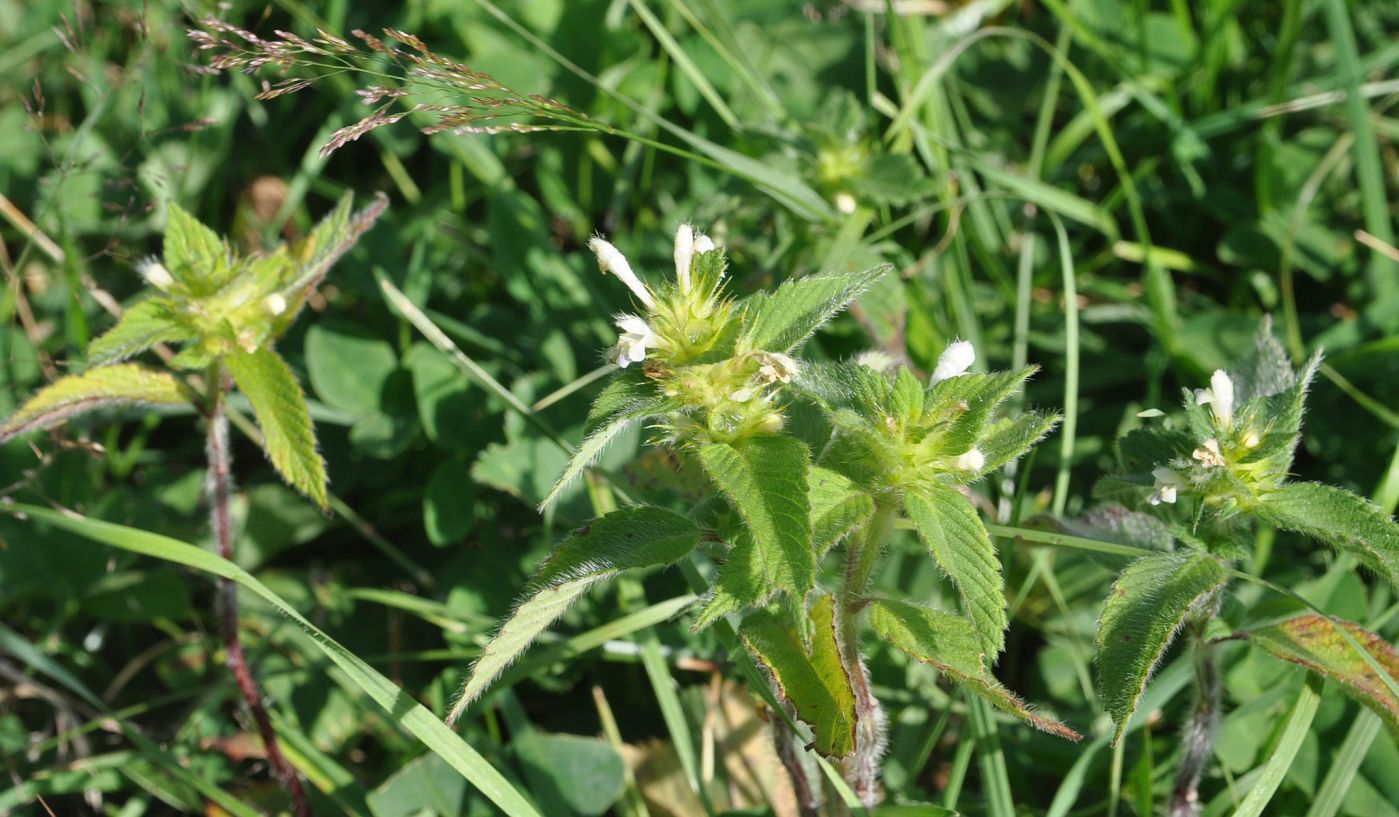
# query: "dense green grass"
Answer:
x=1115 y=191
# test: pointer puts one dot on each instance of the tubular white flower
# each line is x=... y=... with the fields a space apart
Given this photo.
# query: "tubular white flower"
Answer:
x=954 y=360
x=684 y=254
x=971 y=460
x=155 y=273
x=777 y=368
x=610 y=259
x=1219 y=396
x=703 y=243
x=1167 y=483
x=275 y=304
x=635 y=338
x=1208 y=454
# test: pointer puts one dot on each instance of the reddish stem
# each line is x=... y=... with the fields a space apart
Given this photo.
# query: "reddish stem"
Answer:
x=220 y=497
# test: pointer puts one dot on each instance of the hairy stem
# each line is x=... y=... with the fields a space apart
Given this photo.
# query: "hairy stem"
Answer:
x=220 y=497
x=1198 y=737
x=789 y=751
x=864 y=548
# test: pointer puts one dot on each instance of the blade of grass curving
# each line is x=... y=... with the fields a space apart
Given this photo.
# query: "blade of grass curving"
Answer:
x=1299 y=722
x=687 y=66
x=631 y=804
x=723 y=40
x=400 y=707
x=1345 y=765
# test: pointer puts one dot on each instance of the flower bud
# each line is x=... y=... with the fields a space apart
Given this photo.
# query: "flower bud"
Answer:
x=155 y=273
x=954 y=360
x=610 y=259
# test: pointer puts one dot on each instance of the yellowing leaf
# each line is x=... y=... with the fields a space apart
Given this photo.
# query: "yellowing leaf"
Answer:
x=815 y=681
x=1313 y=642
x=122 y=384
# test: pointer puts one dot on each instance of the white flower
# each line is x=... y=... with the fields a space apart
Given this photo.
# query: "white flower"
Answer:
x=845 y=203
x=155 y=273
x=684 y=254
x=777 y=368
x=972 y=460
x=1219 y=396
x=1208 y=454
x=877 y=359
x=1167 y=483
x=275 y=304
x=954 y=360
x=703 y=243
x=635 y=338
x=610 y=259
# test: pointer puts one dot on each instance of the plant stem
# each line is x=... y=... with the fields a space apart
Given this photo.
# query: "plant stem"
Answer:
x=1198 y=737
x=864 y=549
x=789 y=751
x=220 y=498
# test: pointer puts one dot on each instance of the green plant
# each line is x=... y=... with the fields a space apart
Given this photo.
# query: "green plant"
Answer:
x=716 y=380
x=226 y=311
x=1213 y=478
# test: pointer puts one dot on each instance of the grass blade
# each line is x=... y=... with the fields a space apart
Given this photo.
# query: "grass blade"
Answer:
x=399 y=705
x=1299 y=722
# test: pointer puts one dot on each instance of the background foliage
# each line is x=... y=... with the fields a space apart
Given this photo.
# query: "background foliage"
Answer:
x=1209 y=163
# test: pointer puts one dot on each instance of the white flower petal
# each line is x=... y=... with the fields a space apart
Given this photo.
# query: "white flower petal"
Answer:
x=954 y=360
x=155 y=273
x=972 y=460
x=703 y=243
x=610 y=259
x=1222 y=389
x=684 y=254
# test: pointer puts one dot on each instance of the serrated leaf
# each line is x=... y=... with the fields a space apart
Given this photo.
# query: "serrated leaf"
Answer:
x=1279 y=417
x=815 y=682
x=1312 y=641
x=742 y=582
x=838 y=506
x=906 y=403
x=949 y=643
x=121 y=384
x=981 y=393
x=953 y=532
x=1142 y=449
x=844 y=386
x=766 y=482
x=319 y=250
x=139 y=328
x=602 y=435
x=195 y=255
x=1264 y=370
x=1340 y=519
x=621 y=540
x=285 y=419
x=781 y=320
x=1010 y=438
x=1147 y=606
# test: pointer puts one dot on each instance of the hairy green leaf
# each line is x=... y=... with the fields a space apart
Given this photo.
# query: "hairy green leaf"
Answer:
x=195 y=255
x=330 y=240
x=121 y=384
x=1147 y=606
x=906 y=403
x=814 y=681
x=1010 y=438
x=952 y=531
x=139 y=328
x=981 y=394
x=1311 y=641
x=949 y=643
x=781 y=320
x=602 y=435
x=629 y=538
x=844 y=386
x=1340 y=519
x=285 y=420
x=838 y=506
x=766 y=482
x=742 y=582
